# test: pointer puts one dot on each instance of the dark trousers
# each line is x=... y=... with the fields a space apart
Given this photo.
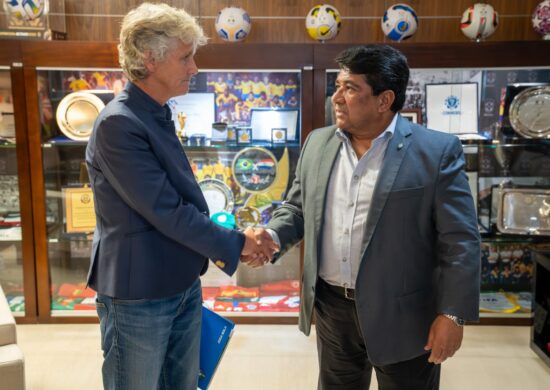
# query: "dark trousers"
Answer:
x=343 y=360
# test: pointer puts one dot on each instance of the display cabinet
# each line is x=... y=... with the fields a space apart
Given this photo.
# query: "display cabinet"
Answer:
x=243 y=156
x=241 y=126
x=16 y=228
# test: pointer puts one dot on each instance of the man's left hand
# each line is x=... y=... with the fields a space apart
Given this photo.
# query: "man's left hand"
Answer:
x=444 y=339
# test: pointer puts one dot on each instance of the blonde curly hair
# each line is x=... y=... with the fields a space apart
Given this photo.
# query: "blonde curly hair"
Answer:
x=155 y=29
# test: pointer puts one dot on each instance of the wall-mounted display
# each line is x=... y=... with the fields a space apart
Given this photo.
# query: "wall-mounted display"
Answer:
x=452 y=108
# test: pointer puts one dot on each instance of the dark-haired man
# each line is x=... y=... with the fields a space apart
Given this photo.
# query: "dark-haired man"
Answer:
x=392 y=250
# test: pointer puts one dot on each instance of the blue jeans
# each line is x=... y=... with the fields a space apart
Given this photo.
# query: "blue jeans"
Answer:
x=151 y=344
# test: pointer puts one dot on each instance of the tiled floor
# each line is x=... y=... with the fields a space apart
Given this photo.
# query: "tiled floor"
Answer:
x=270 y=357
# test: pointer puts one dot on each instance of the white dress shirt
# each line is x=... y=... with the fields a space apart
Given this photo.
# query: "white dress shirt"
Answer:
x=347 y=204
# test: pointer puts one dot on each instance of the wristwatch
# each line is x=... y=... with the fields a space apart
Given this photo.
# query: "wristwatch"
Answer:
x=458 y=321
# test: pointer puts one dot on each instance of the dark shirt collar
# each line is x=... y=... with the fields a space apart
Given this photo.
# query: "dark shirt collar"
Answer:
x=145 y=102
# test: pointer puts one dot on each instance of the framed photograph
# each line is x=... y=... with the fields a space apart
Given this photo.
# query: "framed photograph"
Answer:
x=452 y=108
x=412 y=114
x=278 y=135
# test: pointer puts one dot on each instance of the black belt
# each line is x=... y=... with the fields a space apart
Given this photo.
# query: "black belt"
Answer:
x=347 y=293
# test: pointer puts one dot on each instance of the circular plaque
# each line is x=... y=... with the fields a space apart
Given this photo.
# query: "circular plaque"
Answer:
x=217 y=194
x=254 y=169
x=77 y=113
x=530 y=112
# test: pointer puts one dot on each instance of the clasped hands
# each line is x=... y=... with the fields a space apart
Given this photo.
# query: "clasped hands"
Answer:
x=259 y=247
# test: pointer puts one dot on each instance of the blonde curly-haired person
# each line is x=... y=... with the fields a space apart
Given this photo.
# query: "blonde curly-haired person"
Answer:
x=153 y=236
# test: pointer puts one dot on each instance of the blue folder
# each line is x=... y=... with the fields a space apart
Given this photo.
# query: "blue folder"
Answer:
x=215 y=334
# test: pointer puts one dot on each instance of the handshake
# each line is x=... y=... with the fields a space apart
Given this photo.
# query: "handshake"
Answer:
x=259 y=247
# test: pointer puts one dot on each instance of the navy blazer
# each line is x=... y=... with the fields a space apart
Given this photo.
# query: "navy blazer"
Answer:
x=153 y=235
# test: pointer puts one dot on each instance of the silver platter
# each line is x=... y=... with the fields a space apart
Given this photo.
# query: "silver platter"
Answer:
x=77 y=113
x=524 y=211
x=218 y=195
x=530 y=112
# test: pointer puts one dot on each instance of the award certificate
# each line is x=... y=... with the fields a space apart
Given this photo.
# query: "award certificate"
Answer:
x=79 y=209
x=452 y=108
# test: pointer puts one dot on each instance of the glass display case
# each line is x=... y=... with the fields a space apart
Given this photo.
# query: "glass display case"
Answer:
x=11 y=253
x=241 y=132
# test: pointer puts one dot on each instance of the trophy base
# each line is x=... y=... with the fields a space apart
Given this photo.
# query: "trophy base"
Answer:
x=32 y=34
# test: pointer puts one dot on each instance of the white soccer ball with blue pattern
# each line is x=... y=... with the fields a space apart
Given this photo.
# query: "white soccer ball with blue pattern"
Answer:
x=399 y=22
x=233 y=24
x=24 y=9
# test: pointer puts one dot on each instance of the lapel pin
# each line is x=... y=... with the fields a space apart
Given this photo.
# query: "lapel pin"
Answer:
x=400 y=146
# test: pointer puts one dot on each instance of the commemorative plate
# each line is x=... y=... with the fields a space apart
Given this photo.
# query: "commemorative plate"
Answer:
x=77 y=113
x=254 y=169
x=218 y=195
x=530 y=112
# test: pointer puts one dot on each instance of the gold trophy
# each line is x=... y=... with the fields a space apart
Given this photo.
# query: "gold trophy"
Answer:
x=182 y=117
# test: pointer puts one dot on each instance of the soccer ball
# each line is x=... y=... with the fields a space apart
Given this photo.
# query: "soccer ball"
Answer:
x=479 y=21
x=323 y=22
x=24 y=9
x=541 y=19
x=399 y=22
x=233 y=24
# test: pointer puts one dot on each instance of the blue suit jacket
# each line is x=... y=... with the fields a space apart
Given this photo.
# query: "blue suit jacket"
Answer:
x=421 y=252
x=153 y=235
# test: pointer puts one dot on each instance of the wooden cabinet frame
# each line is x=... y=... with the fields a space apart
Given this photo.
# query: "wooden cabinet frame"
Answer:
x=313 y=59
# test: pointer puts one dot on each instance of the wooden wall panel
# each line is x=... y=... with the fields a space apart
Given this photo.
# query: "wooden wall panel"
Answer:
x=294 y=8
x=282 y=21
x=99 y=20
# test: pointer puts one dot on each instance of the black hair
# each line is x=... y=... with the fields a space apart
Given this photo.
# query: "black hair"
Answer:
x=384 y=67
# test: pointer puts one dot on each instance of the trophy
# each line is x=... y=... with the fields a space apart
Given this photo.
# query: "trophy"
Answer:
x=180 y=132
x=34 y=19
x=247 y=216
